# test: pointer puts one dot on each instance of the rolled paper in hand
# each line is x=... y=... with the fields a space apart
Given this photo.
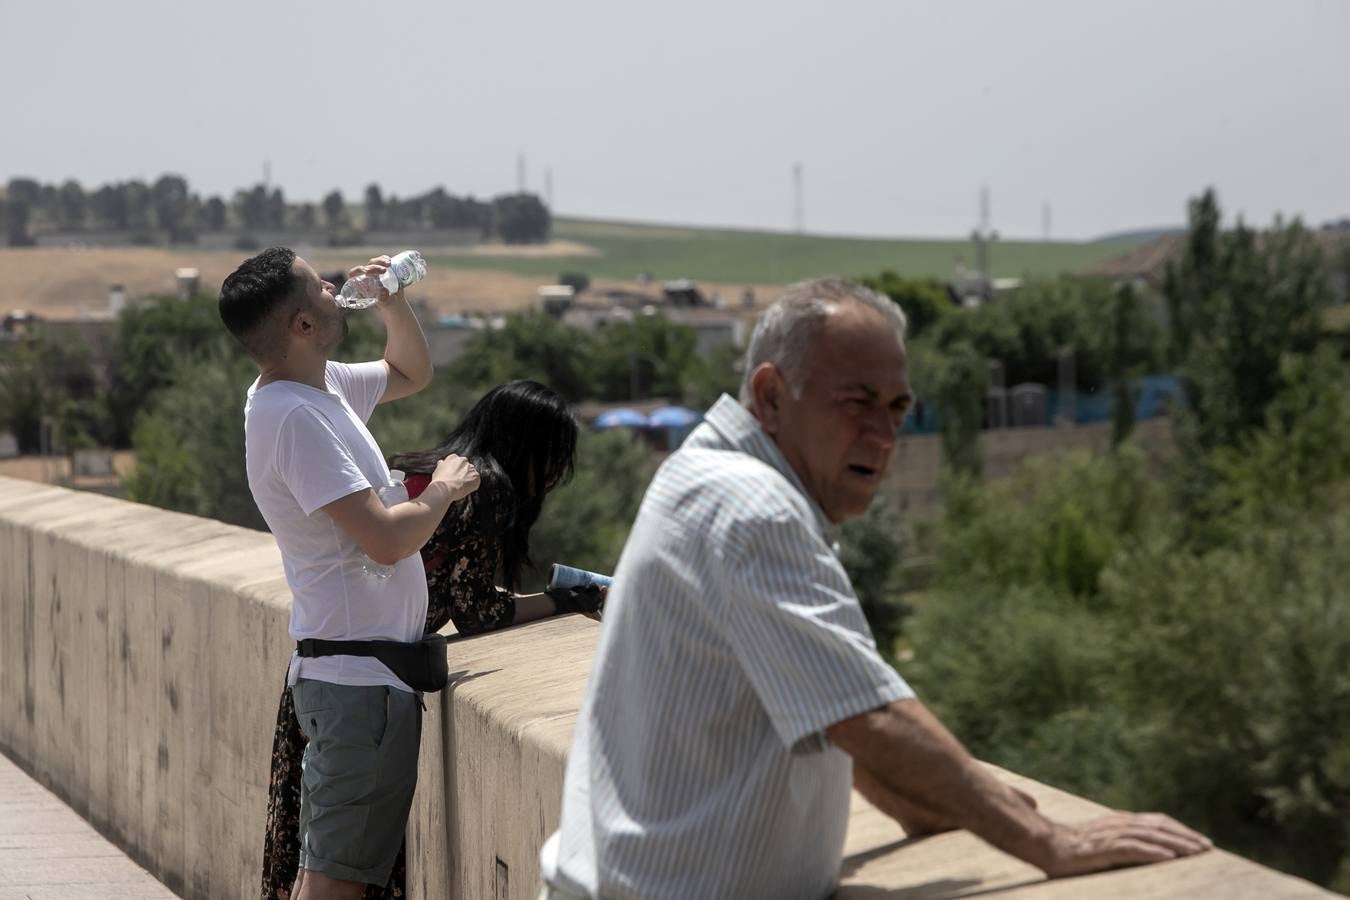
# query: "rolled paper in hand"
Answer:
x=567 y=578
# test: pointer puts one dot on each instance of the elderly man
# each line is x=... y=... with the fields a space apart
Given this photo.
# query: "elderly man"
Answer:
x=737 y=693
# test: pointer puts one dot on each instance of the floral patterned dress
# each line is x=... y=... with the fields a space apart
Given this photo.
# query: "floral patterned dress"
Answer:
x=461 y=567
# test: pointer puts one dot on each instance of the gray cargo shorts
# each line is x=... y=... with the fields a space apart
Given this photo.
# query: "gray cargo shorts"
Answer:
x=358 y=776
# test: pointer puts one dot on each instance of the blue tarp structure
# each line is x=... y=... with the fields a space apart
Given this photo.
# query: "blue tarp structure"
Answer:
x=1158 y=393
x=673 y=417
x=676 y=422
x=621 y=418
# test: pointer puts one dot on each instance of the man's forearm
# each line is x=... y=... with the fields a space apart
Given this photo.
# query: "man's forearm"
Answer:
x=412 y=523
x=915 y=821
x=936 y=783
x=405 y=346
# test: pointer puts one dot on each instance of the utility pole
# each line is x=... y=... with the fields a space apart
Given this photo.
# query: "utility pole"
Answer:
x=548 y=188
x=984 y=236
x=520 y=173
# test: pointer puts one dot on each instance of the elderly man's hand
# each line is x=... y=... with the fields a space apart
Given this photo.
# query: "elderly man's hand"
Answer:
x=1116 y=840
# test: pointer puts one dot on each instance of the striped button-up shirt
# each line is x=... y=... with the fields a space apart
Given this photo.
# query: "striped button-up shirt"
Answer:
x=732 y=639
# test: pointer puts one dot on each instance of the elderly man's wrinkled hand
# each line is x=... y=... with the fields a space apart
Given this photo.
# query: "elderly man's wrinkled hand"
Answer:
x=1117 y=840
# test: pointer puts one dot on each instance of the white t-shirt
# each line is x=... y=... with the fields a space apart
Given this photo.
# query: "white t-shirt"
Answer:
x=306 y=448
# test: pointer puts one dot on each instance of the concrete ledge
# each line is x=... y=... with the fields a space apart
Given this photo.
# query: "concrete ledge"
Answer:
x=510 y=727
x=141 y=656
x=142 y=653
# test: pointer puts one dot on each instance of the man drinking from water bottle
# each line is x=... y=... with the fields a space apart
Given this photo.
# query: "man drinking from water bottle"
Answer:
x=350 y=561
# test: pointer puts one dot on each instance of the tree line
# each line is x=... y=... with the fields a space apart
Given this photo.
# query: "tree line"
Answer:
x=167 y=210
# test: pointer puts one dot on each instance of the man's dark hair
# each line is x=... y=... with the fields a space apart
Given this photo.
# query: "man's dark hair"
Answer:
x=262 y=286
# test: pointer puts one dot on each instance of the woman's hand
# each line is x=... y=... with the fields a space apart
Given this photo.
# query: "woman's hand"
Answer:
x=588 y=600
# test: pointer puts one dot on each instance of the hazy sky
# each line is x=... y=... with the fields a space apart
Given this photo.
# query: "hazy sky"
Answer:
x=695 y=111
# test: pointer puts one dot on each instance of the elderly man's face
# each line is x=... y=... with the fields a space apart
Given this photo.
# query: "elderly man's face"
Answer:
x=839 y=434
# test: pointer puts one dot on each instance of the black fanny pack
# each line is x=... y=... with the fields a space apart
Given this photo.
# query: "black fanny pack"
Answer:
x=421 y=666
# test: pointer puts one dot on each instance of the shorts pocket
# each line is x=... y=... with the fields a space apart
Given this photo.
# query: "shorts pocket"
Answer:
x=310 y=699
x=377 y=715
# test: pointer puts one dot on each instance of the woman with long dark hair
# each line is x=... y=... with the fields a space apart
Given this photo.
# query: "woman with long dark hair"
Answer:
x=521 y=438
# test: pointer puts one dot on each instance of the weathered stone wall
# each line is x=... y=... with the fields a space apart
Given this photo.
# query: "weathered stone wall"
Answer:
x=142 y=653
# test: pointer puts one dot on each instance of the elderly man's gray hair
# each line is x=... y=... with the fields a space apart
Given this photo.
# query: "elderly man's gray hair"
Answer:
x=786 y=331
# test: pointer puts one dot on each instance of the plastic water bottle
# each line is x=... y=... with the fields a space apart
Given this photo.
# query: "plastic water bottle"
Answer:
x=405 y=269
x=391 y=493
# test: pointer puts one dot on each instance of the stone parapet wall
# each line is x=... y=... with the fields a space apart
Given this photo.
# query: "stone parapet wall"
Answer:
x=142 y=653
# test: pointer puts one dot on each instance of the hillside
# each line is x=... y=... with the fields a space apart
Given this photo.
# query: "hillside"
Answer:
x=62 y=282
x=759 y=257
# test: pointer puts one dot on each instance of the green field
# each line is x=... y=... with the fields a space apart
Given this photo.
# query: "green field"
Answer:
x=758 y=257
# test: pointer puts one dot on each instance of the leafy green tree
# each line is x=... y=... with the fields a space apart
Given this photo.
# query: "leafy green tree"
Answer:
x=1080 y=630
x=190 y=441
x=21 y=199
x=960 y=380
x=15 y=214
x=139 y=209
x=521 y=219
x=74 y=205
x=1026 y=328
x=585 y=522
x=1300 y=460
x=250 y=207
x=25 y=190
x=528 y=346
x=1230 y=671
x=710 y=375
x=170 y=197
x=374 y=207
x=153 y=336
x=924 y=300
x=578 y=281
x=214 y=214
x=1130 y=341
x=276 y=208
x=52 y=380
x=646 y=357
x=1237 y=304
x=1340 y=274
x=108 y=205
x=335 y=209
x=872 y=549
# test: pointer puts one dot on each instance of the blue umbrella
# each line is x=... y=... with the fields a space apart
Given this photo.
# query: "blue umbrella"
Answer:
x=673 y=417
x=621 y=418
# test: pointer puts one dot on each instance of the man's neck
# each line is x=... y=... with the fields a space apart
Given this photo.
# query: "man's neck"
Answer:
x=308 y=372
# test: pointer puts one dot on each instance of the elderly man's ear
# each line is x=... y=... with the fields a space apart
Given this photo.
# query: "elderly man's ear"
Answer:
x=767 y=388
